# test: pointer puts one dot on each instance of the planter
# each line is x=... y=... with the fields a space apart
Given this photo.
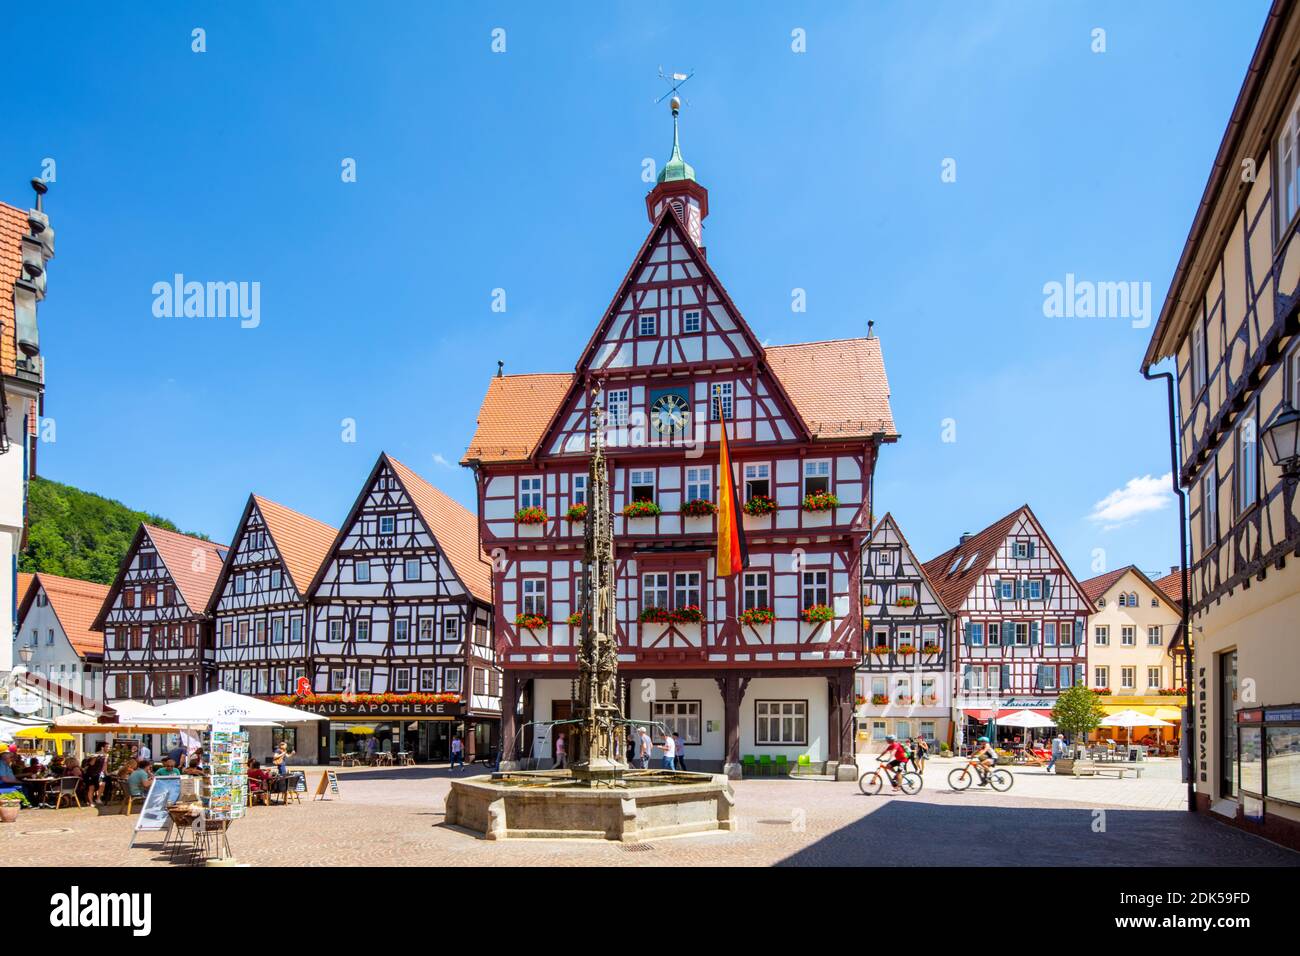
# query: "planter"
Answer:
x=1064 y=765
x=8 y=812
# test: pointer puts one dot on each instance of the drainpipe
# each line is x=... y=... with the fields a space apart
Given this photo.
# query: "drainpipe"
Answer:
x=1189 y=730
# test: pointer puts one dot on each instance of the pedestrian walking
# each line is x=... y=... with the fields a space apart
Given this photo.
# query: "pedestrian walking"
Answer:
x=560 y=761
x=670 y=752
x=646 y=745
x=920 y=753
x=457 y=753
x=680 y=763
x=1058 y=751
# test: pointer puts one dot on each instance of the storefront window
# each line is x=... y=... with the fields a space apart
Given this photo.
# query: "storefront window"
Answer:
x=1249 y=768
x=1283 y=747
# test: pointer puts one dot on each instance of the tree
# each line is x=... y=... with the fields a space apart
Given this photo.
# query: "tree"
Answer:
x=77 y=534
x=1078 y=711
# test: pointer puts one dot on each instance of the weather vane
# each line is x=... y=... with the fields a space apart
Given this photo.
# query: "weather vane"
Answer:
x=674 y=81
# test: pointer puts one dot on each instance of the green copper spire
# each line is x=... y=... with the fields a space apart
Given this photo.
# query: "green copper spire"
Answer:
x=676 y=168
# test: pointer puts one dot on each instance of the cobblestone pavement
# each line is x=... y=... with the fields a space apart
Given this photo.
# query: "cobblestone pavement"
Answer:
x=394 y=818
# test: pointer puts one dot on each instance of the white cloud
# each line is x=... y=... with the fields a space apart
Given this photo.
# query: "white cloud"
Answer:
x=1137 y=497
x=439 y=460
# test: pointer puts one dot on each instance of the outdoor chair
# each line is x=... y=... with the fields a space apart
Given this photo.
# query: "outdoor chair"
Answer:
x=782 y=765
x=765 y=764
x=805 y=764
x=748 y=765
x=68 y=788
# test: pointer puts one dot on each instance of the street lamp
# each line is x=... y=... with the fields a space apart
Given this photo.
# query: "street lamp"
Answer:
x=25 y=652
x=1282 y=440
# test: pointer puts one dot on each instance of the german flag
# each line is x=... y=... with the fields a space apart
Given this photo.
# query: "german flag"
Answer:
x=733 y=556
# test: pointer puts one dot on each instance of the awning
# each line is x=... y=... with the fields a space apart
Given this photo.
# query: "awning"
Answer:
x=40 y=733
x=983 y=715
x=1159 y=713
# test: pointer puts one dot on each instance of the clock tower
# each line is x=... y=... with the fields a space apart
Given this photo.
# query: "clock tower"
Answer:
x=677 y=187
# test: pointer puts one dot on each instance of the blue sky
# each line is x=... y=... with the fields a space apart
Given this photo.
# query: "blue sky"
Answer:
x=522 y=170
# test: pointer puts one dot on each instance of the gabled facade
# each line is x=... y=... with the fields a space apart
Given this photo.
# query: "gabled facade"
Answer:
x=157 y=635
x=671 y=355
x=26 y=246
x=1131 y=635
x=260 y=616
x=904 y=683
x=1229 y=327
x=402 y=604
x=1019 y=619
x=54 y=618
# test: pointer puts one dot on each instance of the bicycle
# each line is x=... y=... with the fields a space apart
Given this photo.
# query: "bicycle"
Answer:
x=873 y=781
x=998 y=778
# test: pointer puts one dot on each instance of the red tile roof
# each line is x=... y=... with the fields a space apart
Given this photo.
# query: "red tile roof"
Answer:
x=75 y=603
x=514 y=416
x=1094 y=588
x=839 y=387
x=454 y=528
x=24 y=582
x=954 y=579
x=303 y=542
x=194 y=564
x=13 y=226
x=1171 y=585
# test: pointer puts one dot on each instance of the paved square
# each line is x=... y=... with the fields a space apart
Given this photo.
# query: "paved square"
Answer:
x=393 y=817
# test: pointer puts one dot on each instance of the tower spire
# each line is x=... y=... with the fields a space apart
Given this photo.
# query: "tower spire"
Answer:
x=677 y=187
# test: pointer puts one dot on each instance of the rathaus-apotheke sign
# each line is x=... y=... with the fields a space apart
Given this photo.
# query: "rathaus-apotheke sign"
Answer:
x=377 y=709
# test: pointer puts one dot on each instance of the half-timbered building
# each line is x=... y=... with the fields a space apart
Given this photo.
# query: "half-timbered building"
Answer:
x=401 y=638
x=904 y=683
x=1019 y=616
x=260 y=616
x=758 y=666
x=1229 y=329
x=157 y=636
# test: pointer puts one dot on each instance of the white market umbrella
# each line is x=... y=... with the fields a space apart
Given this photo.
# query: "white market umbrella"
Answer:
x=1133 y=718
x=223 y=706
x=1026 y=718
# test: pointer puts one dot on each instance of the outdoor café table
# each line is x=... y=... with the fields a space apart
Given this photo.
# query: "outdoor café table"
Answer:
x=43 y=785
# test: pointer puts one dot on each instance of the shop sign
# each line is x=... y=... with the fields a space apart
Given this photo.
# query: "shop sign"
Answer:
x=377 y=709
x=1284 y=714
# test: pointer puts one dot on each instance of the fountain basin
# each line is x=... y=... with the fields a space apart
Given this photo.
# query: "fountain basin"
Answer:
x=550 y=804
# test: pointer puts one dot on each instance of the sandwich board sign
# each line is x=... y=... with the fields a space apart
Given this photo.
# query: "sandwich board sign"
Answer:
x=331 y=779
x=153 y=815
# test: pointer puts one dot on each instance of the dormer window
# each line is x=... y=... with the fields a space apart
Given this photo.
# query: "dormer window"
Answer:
x=647 y=324
x=691 y=320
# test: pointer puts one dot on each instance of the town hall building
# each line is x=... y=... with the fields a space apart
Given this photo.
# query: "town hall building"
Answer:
x=750 y=669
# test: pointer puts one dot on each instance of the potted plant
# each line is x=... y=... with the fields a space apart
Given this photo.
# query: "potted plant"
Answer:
x=690 y=614
x=758 y=615
x=906 y=649
x=818 y=614
x=929 y=648
x=655 y=615
x=945 y=750
x=880 y=699
x=10 y=804
x=881 y=650
x=642 y=508
x=820 y=501
x=906 y=602
x=574 y=619
x=531 y=515
x=1077 y=712
x=699 y=508
x=576 y=513
x=532 y=622
x=758 y=506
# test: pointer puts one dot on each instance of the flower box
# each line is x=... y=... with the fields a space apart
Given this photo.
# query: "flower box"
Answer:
x=531 y=515
x=930 y=649
x=905 y=699
x=859 y=700
x=574 y=619
x=820 y=501
x=818 y=614
x=1102 y=691
x=532 y=622
x=880 y=699
x=867 y=602
x=691 y=614
x=642 y=509
x=576 y=513
x=906 y=602
x=293 y=700
x=906 y=649
x=881 y=650
x=758 y=506
x=655 y=615
x=699 y=508
x=758 y=615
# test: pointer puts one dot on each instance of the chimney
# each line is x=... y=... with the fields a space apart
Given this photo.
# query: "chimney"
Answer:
x=1174 y=569
x=500 y=368
x=871 y=324
x=965 y=536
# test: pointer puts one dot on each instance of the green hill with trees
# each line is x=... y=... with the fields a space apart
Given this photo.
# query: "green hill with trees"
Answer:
x=78 y=534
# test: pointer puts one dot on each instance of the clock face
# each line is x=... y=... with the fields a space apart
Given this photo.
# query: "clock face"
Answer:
x=669 y=413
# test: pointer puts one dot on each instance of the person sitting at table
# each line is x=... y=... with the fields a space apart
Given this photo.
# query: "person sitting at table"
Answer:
x=139 y=779
x=8 y=782
x=56 y=767
x=168 y=768
x=34 y=768
x=195 y=769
